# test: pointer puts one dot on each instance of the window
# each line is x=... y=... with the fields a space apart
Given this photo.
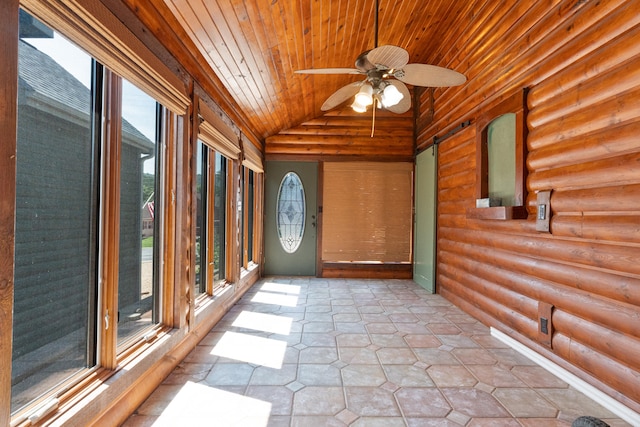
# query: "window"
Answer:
x=220 y=219
x=291 y=212
x=500 y=161
x=211 y=193
x=87 y=189
x=220 y=148
x=501 y=154
x=140 y=190
x=202 y=152
x=252 y=175
x=368 y=212
x=55 y=275
x=248 y=208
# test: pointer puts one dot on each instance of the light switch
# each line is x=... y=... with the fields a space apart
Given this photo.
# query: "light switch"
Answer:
x=543 y=215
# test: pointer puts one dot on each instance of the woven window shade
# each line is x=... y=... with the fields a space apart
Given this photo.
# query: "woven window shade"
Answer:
x=90 y=25
x=214 y=132
x=367 y=212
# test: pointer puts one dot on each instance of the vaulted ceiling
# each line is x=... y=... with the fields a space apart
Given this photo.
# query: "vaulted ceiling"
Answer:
x=254 y=46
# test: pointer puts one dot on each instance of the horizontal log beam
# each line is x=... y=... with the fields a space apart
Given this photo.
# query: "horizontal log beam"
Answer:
x=619 y=377
x=366 y=270
x=588 y=93
x=365 y=122
x=348 y=131
x=621 y=198
x=459 y=146
x=615 y=110
x=505 y=315
x=622 y=347
x=618 y=228
x=608 y=142
x=607 y=172
x=484 y=280
x=377 y=140
x=525 y=275
x=607 y=58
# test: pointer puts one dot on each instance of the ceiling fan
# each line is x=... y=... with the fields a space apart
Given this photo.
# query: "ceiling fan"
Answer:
x=387 y=72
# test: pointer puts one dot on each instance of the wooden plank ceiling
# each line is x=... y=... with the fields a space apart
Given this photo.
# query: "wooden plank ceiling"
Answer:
x=254 y=46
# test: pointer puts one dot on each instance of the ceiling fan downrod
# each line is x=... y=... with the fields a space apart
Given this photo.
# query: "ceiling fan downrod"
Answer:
x=375 y=27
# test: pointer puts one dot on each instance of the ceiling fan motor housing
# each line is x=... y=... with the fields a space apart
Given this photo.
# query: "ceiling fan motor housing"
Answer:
x=362 y=62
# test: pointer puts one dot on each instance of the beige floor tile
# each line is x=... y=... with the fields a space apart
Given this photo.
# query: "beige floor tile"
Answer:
x=358 y=353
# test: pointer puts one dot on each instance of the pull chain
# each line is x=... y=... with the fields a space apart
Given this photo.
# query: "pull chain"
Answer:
x=373 y=121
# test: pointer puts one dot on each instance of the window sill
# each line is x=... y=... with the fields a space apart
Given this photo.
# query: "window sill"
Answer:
x=245 y=271
x=503 y=213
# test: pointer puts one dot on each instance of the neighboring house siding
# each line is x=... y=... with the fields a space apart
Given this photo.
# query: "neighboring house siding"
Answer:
x=52 y=229
x=130 y=230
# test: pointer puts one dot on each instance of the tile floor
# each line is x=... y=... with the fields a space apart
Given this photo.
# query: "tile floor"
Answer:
x=332 y=352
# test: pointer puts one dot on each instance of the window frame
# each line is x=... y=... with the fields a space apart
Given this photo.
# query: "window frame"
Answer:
x=252 y=162
x=208 y=210
x=158 y=223
x=516 y=104
x=106 y=131
x=248 y=217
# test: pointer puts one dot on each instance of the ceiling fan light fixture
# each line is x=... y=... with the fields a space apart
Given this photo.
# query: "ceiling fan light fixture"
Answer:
x=365 y=96
x=359 y=108
x=391 y=96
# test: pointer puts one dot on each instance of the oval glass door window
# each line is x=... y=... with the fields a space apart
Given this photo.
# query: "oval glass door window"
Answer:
x=291 y=212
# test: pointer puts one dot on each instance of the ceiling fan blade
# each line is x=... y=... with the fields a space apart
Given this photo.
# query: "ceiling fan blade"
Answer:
x=389 y=56
x=341 y=95
x=405 y=103
x=429 y=76
x=329 y=71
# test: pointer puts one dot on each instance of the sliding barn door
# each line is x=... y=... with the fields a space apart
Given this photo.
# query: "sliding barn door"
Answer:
x=425 y=219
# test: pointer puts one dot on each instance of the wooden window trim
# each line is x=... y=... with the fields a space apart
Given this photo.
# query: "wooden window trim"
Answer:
x=172 y=124
x=108 y=320
x=245 y=217
x=517 y=104
x=233 y=256
x=8 y=124
x=210 y=221
x=256 y=215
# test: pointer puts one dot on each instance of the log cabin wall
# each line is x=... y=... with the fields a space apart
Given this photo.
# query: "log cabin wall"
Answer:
x=345 y=135
x=581 y=63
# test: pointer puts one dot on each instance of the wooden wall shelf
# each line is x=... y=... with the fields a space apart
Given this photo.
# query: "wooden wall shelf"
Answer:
x=498 y=212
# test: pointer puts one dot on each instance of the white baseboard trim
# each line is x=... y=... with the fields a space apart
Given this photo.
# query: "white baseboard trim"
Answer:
x=587 y=389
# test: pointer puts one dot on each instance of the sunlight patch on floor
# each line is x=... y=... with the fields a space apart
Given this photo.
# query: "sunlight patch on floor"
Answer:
x=275 y=299
x=264 y=322
x=248 y=348
x=279 y=287
x=200 y=405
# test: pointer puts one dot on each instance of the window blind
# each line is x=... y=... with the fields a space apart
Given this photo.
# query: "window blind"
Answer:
x=214 y=132
x=367 y=212
x=252 y=157
x=90 y=25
